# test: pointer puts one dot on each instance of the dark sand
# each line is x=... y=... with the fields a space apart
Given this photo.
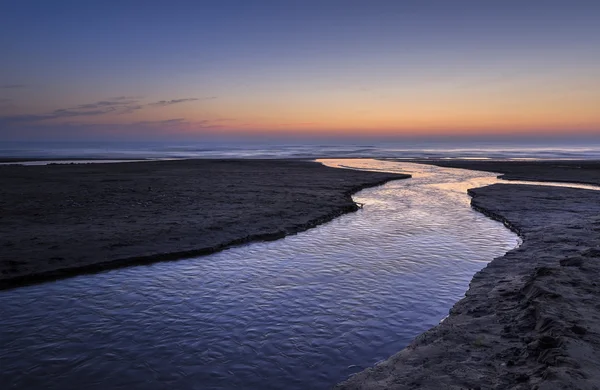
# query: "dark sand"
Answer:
x=530 y=319
x=63 y=220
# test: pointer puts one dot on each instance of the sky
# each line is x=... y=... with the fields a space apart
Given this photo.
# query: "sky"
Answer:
x=149 y=70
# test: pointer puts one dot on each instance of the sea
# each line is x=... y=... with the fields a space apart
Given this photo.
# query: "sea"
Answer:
x=552 y=149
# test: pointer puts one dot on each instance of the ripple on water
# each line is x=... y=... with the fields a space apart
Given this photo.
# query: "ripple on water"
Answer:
x=302 y=312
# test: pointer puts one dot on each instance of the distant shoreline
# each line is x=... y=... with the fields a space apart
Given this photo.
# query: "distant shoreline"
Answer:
x=21 y=162
x=27 y=159
x=479 y=163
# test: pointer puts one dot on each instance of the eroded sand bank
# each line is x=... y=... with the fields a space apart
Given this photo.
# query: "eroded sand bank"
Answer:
x=530 y=319
x=62 y=220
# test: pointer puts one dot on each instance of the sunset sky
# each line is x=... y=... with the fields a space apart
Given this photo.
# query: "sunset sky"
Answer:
x=159 y=70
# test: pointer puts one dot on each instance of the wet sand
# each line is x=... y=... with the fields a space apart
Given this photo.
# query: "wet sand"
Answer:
x=530 y=319
x=64 y=220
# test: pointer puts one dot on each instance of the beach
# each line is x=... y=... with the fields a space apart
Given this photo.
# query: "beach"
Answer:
x=65 y=220
x=530 y=318
x=528 y=321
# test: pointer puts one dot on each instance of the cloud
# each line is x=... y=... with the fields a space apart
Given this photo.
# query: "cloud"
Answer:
x=108 y=103
x=12 y=86
x=92 y=110
x=163 y=122
x=114 y=106
x=103 y=107
x=164 y=103
x=181 y=123
x=126 y=98
x=5 y=100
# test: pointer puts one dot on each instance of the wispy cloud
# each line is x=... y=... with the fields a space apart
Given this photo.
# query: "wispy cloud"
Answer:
x=159 y=123
x=92 y=109
x=114 y=106
x=126 y=98
x=182 y=123
x=108 y=103
x=164 y=103
x=12 y=86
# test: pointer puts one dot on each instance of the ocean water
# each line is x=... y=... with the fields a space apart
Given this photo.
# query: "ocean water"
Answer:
x=304 y=312
x=408 y=149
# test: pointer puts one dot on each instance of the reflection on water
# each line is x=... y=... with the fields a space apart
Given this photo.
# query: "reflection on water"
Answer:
x=302 y=312
x=453 y=179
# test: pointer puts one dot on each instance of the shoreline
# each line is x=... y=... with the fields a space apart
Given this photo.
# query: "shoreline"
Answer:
x=249 y=200
x=19 y=160
x=529 y=318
